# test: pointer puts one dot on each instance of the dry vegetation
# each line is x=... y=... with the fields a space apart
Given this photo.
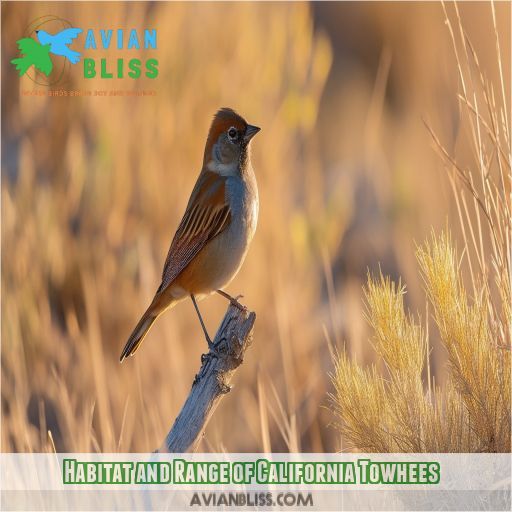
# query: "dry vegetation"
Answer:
x=391 y=411
x=93 y=189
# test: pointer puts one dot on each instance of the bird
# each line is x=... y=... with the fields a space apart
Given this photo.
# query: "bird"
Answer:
x=33 y=54
x=58 y=42
x=219 y=222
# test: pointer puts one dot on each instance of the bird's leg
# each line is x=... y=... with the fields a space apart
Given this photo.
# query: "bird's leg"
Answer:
x=233 y=300
x=211 y=346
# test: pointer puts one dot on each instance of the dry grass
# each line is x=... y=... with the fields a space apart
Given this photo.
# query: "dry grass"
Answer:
x=392 y=411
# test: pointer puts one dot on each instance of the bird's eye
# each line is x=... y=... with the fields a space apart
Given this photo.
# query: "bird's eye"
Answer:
x=232 y=133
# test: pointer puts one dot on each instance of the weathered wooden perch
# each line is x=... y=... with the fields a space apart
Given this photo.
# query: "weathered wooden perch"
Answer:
x=212 y=382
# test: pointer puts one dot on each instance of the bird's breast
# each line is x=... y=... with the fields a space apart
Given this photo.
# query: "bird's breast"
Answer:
x=242 y=196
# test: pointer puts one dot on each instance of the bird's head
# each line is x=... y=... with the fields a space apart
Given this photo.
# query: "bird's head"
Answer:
x=43 y=36
x=228 y=142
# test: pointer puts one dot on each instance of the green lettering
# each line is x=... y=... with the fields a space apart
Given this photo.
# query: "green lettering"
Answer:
x=89 y=71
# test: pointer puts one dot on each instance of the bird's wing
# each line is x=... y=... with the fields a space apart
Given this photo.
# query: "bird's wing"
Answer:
x=66 y=36
x=207 y=215
x=28 y=46
x=42 y=60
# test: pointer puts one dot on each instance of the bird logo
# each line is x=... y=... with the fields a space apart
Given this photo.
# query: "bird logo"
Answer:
x=59 y=42
x=37 y=54
x=33 y=54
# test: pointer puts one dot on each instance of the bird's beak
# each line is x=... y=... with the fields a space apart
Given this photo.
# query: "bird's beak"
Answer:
x=250 y=132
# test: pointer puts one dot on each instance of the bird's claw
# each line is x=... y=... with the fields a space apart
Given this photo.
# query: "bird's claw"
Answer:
x=213 y=351
x=234 y=302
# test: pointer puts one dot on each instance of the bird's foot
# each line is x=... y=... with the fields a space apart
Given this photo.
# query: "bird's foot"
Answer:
x=213 y=351
x=212 y=354
x=234 y=302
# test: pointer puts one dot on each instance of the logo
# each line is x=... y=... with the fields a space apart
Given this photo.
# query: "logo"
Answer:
x=46 y=53
x=50 y=47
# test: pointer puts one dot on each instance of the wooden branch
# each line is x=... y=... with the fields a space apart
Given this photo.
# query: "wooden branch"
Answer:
x=212 y=382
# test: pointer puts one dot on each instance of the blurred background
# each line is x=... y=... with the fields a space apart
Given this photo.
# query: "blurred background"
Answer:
x=94 y=188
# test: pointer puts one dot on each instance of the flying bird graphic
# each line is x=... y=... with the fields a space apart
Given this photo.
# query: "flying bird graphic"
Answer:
x=33 y=54
x=58 y=42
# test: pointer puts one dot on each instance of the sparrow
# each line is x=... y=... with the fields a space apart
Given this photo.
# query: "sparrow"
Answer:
x=213 y=237
x=59 y=42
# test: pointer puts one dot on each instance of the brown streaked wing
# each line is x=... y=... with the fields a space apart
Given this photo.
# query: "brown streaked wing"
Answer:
x=206 y=216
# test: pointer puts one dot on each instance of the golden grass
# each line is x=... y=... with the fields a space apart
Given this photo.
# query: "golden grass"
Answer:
x=395 y=410
x=392 y=412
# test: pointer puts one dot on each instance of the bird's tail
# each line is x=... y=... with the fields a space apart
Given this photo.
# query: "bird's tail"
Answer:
x=22 y=64
x=142 y=328
x=73 y=56
x=138 y=334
